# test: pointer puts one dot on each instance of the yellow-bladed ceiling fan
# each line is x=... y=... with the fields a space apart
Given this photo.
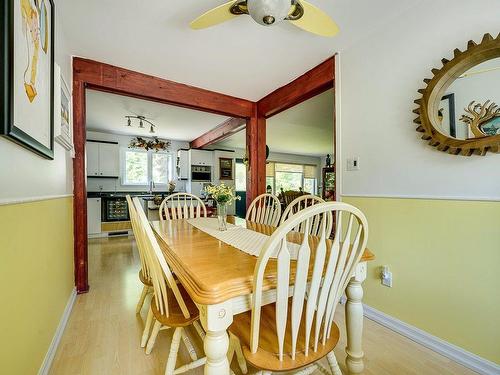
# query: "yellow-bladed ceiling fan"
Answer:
x=270 y=12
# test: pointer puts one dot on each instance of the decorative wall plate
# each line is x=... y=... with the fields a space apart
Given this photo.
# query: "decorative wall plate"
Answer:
x=477 y=117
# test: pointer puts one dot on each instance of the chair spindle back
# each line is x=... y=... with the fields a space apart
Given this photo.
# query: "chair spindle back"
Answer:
x=182 y=206
x=333 y=265
x=300 y=203
x=161 y=275
x=265 y=209
x=138 y=238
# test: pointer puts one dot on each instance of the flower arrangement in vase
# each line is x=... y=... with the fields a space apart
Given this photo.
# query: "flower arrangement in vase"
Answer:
x=224 y=196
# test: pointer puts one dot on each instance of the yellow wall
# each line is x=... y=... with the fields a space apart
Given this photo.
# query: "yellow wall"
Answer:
x=36 y=279
x=445 y=260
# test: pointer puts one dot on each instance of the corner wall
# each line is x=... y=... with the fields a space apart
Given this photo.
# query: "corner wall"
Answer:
x=36 y=279
x=36 y=245
x=442 y=243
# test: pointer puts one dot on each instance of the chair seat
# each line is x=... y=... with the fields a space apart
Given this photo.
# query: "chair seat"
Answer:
x=144 y=280
x=266 y=357
x=175 y=316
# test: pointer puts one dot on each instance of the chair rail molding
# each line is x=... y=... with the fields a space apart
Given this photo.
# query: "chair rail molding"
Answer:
x=453 y=352
x=10 y=201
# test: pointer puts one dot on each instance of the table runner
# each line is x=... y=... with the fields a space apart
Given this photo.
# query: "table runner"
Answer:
x=243 y=239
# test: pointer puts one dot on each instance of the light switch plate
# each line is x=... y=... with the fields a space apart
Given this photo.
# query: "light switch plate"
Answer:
x=353 y=164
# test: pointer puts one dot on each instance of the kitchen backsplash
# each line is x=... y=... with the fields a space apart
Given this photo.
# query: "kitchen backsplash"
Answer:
x=113 y=184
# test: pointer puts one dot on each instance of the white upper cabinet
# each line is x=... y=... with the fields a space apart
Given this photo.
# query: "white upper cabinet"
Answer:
x=92 y=159
x=199 y=157
x=183 y=164
x=109 y=159
x=103 y=159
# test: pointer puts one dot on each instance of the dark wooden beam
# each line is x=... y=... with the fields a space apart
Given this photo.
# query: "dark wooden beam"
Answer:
x=256 y=152
x=220 y=132
x=312 y=83
x=118 y=80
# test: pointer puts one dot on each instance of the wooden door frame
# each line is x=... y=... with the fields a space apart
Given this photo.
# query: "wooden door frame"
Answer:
x=90 y=74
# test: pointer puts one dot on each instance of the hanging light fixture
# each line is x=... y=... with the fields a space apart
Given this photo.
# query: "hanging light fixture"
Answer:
x=269 y=12
x=142 y=120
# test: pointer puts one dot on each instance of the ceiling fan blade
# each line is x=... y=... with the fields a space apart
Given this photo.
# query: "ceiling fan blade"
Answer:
x=214 y=16
x=316 y=21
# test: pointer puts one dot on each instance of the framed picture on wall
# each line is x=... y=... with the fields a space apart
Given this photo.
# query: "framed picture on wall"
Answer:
x=446 y=115
x=225 y=169
x=63 y=126
x=27 y=74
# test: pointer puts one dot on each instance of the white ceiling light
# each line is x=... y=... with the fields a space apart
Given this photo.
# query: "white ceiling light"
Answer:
x=268 y=12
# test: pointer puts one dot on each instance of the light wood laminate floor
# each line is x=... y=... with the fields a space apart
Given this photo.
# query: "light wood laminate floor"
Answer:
x=103 y=332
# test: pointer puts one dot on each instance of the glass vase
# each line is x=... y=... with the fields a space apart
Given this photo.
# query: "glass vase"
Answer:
x=222 y=216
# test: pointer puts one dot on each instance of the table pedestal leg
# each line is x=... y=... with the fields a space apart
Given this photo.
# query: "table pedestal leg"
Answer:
x=354 y=321
x=215 y=320
x=216 y=345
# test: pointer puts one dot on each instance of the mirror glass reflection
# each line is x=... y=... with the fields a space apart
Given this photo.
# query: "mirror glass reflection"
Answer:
x=470 y=107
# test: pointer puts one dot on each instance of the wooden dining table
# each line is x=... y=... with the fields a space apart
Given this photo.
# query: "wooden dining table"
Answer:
x=219 y=279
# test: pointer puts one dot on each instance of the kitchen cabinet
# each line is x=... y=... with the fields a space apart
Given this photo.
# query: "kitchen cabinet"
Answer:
x=93 y=215
x=183 y=164
x=201 y=157
x=103 y=159
x=92 y=159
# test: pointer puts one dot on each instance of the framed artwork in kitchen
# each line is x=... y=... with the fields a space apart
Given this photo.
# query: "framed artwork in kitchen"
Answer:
x=226 y=169
x=27 y=74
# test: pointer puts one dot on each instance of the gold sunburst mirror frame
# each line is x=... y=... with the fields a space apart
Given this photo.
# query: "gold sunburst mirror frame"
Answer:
x=428 y=110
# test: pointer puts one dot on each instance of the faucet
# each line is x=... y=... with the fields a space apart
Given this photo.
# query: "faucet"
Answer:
x=151 y=186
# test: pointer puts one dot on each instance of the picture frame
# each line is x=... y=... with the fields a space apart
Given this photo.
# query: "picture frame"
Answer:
x=447 y=115
x=492 y=127
x=63 y=116
x=27 y=63
x=225 y=169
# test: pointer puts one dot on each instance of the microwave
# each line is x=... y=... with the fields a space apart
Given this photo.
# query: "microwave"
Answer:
x=201 y=173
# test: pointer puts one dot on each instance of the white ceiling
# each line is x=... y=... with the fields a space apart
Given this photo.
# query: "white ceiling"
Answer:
x=106 y=112
x=306 y=129
x=239 y=57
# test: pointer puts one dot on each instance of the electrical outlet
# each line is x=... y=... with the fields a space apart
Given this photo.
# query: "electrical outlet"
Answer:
x=353 y=164
x=386 y=276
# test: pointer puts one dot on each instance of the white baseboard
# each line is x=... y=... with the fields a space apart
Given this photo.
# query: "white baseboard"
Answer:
x=49 y=357
x=453 y=352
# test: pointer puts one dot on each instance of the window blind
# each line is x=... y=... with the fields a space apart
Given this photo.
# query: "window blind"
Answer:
x=309 y=171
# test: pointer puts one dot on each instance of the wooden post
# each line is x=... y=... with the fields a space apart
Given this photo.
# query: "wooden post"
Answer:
x=256 y=152
x=80 y=189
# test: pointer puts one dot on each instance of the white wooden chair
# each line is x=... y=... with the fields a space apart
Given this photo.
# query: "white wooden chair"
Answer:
x=144 y=275
x=281 y=336
x=171 y=306
x=182 y=206
x=300 y=203
x=265 y=209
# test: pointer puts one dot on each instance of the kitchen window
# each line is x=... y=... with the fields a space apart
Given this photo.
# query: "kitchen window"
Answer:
x=289 y=176
x=140 y=167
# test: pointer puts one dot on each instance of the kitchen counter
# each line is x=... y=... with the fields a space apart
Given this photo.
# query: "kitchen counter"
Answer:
x=122 y=194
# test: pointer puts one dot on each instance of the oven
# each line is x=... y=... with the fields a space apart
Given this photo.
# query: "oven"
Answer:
x=114 y=209
x=201 y=173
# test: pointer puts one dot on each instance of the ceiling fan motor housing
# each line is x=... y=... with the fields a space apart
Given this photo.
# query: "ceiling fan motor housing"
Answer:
x=269 y=12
